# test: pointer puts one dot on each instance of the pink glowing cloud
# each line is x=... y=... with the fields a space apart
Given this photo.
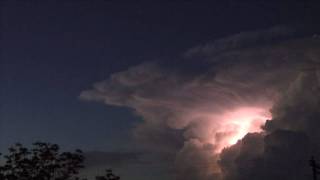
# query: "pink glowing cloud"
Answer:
x=234 y=125
x=195 y=115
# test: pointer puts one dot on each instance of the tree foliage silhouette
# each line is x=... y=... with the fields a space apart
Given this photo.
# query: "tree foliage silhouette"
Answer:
x=44 y=161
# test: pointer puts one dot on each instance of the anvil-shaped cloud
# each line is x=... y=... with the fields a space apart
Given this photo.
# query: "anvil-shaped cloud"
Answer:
x=211 y=97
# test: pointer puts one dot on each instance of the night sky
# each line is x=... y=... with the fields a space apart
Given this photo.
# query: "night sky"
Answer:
x=141 y=61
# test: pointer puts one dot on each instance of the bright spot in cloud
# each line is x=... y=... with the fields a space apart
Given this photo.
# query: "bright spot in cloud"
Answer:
x=236 y=124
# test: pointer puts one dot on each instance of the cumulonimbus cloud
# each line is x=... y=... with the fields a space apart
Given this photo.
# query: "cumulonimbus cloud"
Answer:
x=187 y=112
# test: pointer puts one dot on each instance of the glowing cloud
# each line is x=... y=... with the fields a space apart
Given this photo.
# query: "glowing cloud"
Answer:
x=192 y=111
x=236 y=124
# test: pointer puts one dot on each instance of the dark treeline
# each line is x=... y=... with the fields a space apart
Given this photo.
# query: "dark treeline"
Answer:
x=44 y=161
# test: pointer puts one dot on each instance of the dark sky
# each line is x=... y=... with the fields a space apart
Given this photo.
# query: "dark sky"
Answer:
x=53 y=50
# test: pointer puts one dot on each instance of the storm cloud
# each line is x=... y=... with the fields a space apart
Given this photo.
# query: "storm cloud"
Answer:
x=187 y=105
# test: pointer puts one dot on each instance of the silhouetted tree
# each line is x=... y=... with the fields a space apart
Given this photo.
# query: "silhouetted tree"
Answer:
x=42 y=162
